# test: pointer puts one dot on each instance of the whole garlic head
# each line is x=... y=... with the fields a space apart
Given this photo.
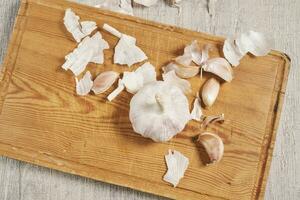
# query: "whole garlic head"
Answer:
x=159 y=111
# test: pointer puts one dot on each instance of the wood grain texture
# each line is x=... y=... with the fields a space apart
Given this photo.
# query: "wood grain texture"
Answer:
x=220 y=21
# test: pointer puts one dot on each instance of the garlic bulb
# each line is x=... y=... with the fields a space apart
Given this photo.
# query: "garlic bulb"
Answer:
x=210 y=91
x=159 y=111
x=213 y=146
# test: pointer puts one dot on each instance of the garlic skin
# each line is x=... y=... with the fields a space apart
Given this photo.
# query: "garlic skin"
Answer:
x=212 y=119
x=197 y=113
x=159 y=111
x=84 y=85
x=213 y=146
x=232 y=52
x=210 y=92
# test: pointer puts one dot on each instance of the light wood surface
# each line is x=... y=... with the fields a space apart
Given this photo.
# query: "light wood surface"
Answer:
x=26 y=172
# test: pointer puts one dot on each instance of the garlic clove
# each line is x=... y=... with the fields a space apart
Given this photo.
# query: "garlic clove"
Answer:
x=212 y=119
x=232 y=52
x=104 y=81
x=126 y=51
x=185 y=59
x=159 y=111
x=171 y=78
x=146 y=3
x=196 y=113
x=117 y=91
x=182 y=71
x=213 y=146
x=254 y=42
x=84 y=86
x=177 y=164
x=205 y=53
x=210 y=92
x=219 y=67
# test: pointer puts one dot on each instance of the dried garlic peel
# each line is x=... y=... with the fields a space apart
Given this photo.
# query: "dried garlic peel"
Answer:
x=146 y=3
x=177 y=164
x=159 y=111
x=197 y=113
x=84 y=86
x=117 y=91
x=219 y=67
x=232 y=52
x=104 y=81
x=171 y=78
x=126 y=51
x=78 y=30
x=89 y=50
x=210 y=91
x=182 y=71
x=212 y=119
x=213 y=146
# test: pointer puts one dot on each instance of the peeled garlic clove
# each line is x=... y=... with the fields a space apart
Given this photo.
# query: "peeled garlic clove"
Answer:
x=117 y=91
x=146 y=3
x=196 y=113
x=231 y=52
x=159 y=111
x=210 y=91
x=177 y=164
x=84 y=86
x=213 y=146
x=254 y=42
x=213 y=119
x=219 y=67
x=182 y=71
x=171 y=78
x=104 y=81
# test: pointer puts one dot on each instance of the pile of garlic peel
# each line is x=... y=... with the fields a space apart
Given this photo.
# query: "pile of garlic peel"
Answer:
x=160 y=109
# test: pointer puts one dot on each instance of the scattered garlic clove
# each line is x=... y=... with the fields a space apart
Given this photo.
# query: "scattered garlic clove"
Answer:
x=205 y=53
x=219 y=67
x=146 y=3
x=78 y=30
x=212 y=119
x=177 y=164
x=254 y=42
x=89 y=50
x=232 y=52
x=117 y=91
x=126 y=51
x=159 y=111
x=182 y=71
x=84 y=86
x=213 y=146
x=104 y=81
x=210 y=91
x=171 y=78
x=196 y=113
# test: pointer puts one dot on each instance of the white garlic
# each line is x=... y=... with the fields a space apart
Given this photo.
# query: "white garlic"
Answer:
x=182 y=71
x=196 y=113
x=213 y=146
x=126 y=51
x=219 y=67
x=171 y=78
x=78 y=30
x=104 y=81
x=210 y=91
x=84 y=86
x=159 y=111
x=177 y=164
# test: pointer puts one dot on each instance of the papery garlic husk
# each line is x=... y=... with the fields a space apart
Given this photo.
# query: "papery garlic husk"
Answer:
x=210 y=91
x=77 y=29
x=146 y=3
x=117 y=91
x=212 y=119
x=171 y=78
x=84 y=86
x=213 y=146
x=104 y=81
x=182 y=71
x=159 y=111
x=177 y=164
x=197 y=113
x=232 y=52
x=219 y=67
x=254 y=42
x=126 y=51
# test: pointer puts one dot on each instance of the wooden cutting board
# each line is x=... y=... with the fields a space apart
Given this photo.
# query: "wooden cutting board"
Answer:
x=42 y=121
